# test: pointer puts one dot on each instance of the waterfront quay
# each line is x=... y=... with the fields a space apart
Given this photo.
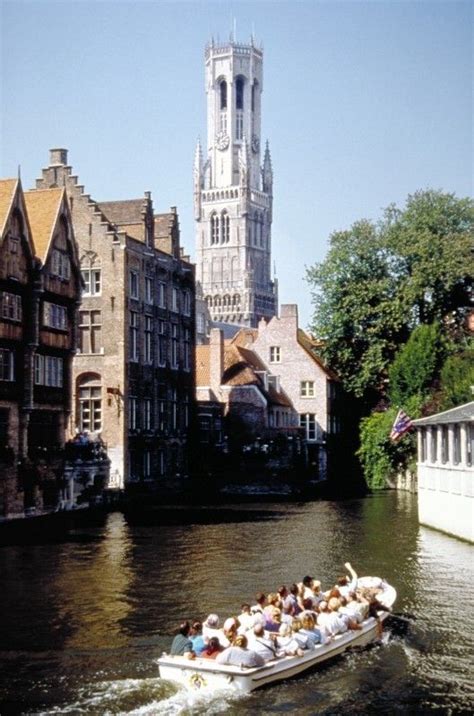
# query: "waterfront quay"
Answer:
x=86 y=616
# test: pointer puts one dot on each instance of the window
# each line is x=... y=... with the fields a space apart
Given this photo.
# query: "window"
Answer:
x=133 y=335
x=187 y=349
x=174 y=409
x=90 y=332
x=162 y=344
x=223 y=94
x=162 y=408
x=147 y=465
x=132 y=413
x=49 y=370
x=307 y=389
x=275 y=354
x=308 y=423
x=92 y=282
x=239 y=126
x=434 y=444
x=444 y=444
x=456 y=444
x=148 y=339
x=148 y=290
x=175 y=300
x=162 y=294
x=54 y=316
x=423 y=445
x=60 y=264
x=7 y=364
x=10 y=306
x=90 y=408
x=134 y=285
x=147 y=414
x=186 y=302
x=186 y=412
x=469 y=443
x=239 y=93
x=214 y=229
x=174 y=345
x=225 y=227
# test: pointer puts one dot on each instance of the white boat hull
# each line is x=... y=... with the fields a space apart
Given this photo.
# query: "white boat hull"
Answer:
x=197 y=674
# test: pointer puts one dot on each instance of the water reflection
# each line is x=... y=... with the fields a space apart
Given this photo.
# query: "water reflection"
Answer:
x=82 y=622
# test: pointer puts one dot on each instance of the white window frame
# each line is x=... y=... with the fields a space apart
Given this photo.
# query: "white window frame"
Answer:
x=134 y=284
x=275 y=354
x=308 y=422
x=92 y=278
x=307 y=389
x=132 y=412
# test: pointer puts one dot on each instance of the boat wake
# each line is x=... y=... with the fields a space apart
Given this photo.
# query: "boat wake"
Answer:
x=146 y=697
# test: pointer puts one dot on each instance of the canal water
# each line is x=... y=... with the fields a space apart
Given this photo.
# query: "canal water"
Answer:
x=82 y=620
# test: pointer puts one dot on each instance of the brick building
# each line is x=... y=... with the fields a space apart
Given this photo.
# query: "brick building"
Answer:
x=40 y=288
x=133 y=377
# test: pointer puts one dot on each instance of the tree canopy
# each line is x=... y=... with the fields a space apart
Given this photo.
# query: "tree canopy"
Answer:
x=380 y=280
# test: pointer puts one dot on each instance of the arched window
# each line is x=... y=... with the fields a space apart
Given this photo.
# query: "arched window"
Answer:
x=223 y=94
x=239 y=93
x=214 y=229
x=225 y=227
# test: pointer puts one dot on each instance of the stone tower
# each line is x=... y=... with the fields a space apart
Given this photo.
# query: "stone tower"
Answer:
x=233 y=191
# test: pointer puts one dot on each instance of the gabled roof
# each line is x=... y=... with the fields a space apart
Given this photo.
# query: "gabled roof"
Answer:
x=126 y=212
x=461 y=414
x=311 y=346
x=7 y=192
x=42 y=206
x=245 y=336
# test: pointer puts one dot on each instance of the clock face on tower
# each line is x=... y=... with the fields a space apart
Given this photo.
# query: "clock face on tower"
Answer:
x=222 y=140
x=255 y=144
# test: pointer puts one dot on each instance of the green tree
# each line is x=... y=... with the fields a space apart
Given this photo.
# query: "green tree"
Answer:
x=416 y=364
x=457 y=380
x=378 y=282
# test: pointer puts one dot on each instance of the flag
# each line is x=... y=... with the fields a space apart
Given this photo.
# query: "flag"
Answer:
x=401 y=426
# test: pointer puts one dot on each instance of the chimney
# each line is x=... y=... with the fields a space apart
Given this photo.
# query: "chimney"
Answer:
x=216 y=359
x=289 y=314
x=57 y=157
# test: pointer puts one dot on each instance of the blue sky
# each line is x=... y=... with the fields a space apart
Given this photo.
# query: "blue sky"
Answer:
x=364 y=103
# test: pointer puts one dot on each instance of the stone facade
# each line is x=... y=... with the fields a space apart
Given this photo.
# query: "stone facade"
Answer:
x=40 y=288
x=134 y=372
x=233 y=192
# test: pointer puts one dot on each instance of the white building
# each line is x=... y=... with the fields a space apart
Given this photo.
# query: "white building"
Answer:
x=446 y=472
x=233 y=192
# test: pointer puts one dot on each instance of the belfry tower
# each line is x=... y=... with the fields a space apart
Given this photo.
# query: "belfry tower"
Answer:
x=233 y=191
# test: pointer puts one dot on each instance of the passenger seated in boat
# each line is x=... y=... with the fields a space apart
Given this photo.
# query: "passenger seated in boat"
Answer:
x=338 y=622
x=300 y=638
x=264 y=645
x=306 y=589
x=287 y=642
x=196 y=637
x=212 y=649
x=182 y=644
x=230 y=628
x=357 y=608
x=245 y=618
x=239 y=655
x=211 y=628
x=309 y=629
x=273 y=601
x=287 y=613
x=290 y=601
x=308 y=608
x=273 y=621
x=260 y=602
x=346 y=585
x=317 y=593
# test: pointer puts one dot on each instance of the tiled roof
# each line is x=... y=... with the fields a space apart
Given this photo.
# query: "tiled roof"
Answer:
x=42 y=206
x=461 y=414
x=203 y=368
x=7 y=192
x=311 y=347
x=128 y=211
x=245 y=336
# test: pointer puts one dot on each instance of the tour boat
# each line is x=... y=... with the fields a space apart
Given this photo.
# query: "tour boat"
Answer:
x=206 y=674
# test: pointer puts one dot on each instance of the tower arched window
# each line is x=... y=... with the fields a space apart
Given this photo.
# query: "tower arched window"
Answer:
x=223 y=94
x=214 y=229
x=225 y=227
x=239 y=93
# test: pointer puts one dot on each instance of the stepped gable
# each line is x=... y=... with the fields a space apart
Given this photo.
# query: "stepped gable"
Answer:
x=43 y=207
x=7 y=193
x=166 y=233
x=312 y=346
x=127 y=215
